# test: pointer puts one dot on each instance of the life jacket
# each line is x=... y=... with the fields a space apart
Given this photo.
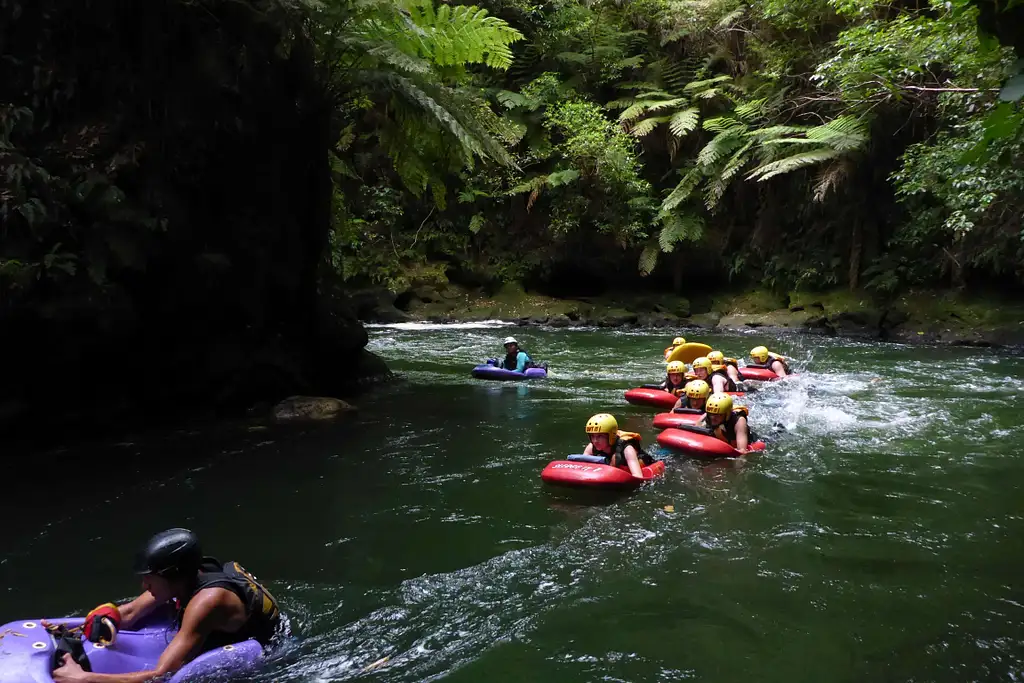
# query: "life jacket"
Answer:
x=727 y=430
x=730 y=361
x=512 y=360
x=677 y=389
x=617 y=458
x=687 y=406
x=772 y=357
x=729 y=384
x=263 y=616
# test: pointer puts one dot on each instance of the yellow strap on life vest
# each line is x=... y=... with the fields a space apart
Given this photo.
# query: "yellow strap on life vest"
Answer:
x=776 y=356
x=741 y=410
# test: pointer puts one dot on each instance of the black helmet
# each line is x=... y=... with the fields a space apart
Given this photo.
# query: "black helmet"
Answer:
x=170 y=553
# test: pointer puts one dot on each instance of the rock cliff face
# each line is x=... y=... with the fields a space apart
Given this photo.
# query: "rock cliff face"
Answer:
x=164 y=234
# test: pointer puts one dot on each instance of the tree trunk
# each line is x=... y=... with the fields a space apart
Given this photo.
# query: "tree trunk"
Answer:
x=856 y=246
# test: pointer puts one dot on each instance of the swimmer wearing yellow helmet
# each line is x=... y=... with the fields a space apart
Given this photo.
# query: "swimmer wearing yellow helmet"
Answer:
x=727 y=422
x=719 y=363
x=675 y=380
x=696 y=395
x=676 y=343
x=763 y=358
x=719 y=381
x=616 y=447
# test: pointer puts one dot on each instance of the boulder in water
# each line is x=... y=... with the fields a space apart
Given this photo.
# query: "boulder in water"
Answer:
x=310 y=409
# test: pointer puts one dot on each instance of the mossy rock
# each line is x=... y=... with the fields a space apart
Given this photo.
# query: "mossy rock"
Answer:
x=754 y=301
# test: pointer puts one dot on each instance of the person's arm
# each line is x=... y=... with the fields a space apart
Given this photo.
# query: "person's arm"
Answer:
x=679 y=402
x=633 y=462
x=742 y=435
x=521 y=359
x=138 y=609
x=779 y=368
x=204 y=614
x=589 y=450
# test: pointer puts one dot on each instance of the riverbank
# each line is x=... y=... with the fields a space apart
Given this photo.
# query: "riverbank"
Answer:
x=931 y=316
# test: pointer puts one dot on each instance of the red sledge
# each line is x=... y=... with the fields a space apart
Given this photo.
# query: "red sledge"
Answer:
x=674 y=419
x=581 y=471
x=698 y=442
x=658 y=398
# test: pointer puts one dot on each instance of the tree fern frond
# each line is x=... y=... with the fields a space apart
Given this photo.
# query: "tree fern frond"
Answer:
x=648 y=260
x=773 y=132
x=739 y=159
x=830 y=178
x=731 y=18
x=750 y=111
x=721 y=145
x=684 y=122
x=643 y=128
x=683 y=190
x=701 y=85
x=656 y=105
x=713 y=192
x=679 y=227
x=791 y=163
x=845 y=133
x=719 y=124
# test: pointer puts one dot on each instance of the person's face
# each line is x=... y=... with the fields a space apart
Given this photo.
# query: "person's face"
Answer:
x=511 y=347
x=698 y=403
x=600 y=442
x=160 y=587
x=702 y=373
x=675 y=377
x=717 y=419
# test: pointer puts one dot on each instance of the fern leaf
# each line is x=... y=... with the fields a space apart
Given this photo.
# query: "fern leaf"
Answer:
x=844 y=134
x=643 y=128
x=648 y=259
x=792 y=163
x=720 y=124
x=721 y=145
x=683 y=190
x=829 y=179
x=731 y=18
x=679 y=228
x=684 y=122
x=694 y=86
x=750 y=111
x=739 y=159
x=656 y=105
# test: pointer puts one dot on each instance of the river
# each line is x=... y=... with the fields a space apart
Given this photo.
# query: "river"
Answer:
x=880 y=537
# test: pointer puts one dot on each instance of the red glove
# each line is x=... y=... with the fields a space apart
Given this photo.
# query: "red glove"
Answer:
x=102 y=623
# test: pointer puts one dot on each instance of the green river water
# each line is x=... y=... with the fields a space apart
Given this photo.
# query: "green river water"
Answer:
x=880 y=538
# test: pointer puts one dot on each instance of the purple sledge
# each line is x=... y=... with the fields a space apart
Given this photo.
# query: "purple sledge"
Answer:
x=494 y=372
x=26 y=653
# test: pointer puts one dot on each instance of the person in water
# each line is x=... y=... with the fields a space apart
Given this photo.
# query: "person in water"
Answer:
x=718 y=379
x=765 y=359
x=676 y=343
x=616 y=447
x=727 y=422
x=214 y=605
x=515 y=358
x=730 y=365
x=696 y=395
x=675 y=380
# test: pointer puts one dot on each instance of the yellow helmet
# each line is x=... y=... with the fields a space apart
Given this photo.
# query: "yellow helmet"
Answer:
x=702 y=362
x=676 y=366
x=716 y=358
x=759 y=353
x=678 y=341
x=698 y=388
x=718 y=404
x=603 y=423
